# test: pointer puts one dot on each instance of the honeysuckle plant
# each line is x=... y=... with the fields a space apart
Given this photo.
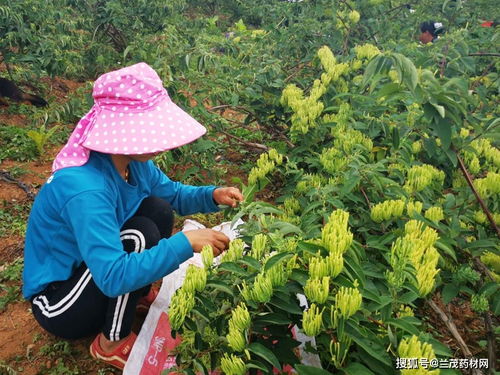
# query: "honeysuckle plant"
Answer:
x=375 y=218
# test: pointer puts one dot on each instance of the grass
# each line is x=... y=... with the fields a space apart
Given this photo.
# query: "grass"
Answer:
x=13 y=218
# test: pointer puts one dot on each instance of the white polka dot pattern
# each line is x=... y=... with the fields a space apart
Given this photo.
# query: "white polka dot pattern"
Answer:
x=129 y=101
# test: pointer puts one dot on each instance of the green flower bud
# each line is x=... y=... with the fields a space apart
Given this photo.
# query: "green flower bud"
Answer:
x=196 y=279
x=336 y=236
x=236 y=340
x=181 y=304
x=207 y=256
x=259 y=243
x=312 y=320
x=317 y=290
x=232 y=365
x=413 y=348
x=434 y=214
x=354 y=16
x=386 y=210
x=366 y=51
x=240 y=318
x=348 y=301
x=234 y=252
x=421 y=176
x=413 y=208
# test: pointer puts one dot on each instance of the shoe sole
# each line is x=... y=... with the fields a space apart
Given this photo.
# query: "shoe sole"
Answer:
x=108 y=360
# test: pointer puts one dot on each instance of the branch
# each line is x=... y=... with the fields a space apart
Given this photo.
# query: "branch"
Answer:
x=7 y=177
x=246 y=143
x=478 y=197
x=484 y=54
x=454 y=331
x=490 y=336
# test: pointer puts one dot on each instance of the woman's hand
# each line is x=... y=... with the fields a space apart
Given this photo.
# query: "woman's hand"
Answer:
x=201 y=237
x=229 y=196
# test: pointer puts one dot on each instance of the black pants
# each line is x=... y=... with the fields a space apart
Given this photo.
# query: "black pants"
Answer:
x=77 y=308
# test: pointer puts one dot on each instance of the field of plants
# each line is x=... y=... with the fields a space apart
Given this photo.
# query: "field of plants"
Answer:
x=369 y=163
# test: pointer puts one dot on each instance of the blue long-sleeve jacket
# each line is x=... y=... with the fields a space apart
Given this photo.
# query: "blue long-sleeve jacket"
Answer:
x=77 y=216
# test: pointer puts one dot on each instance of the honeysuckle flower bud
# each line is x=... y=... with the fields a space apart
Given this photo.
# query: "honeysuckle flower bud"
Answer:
x=259 y=243
x=480 y=217
x=393 y=76
x=413 y=348
x=291 y=205
x=196 y=279
x=240 y=318
x=261 y=291
x=335 y=235
x=181 y=304
x=421 y=176
x=489 y=185
x=234 y=252
x=354 y=17
x=236 y=340
x=277 y=274
x=366 y=51
x=275 y=156
x=317 y=290
x=386 y=210
x=484 y=149
x=312 y=320
x=356 y=64
x=464 y=133
x=491 y=260
x=405 y=311
x=207 y=256
x=232 y=365
x=434 y=214
x=331 y=266
x=348 y=301
x=416 y=147
x=414 y=207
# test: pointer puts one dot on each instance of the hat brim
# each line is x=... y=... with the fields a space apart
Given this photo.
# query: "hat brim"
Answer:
x=161 y=127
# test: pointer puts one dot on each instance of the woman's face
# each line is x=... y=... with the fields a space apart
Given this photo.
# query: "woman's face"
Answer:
x=426 y=37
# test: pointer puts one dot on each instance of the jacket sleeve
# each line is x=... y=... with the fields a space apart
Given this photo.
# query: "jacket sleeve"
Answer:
x=185 y=199
x=115 y=271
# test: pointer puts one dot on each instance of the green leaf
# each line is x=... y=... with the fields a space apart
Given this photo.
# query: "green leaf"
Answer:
x=276 y=259
x=219 y=285
x=288 y=306
x=404 y=325
x=272 y=318
x=256 y=365
x=449 y=292
x=443 y=130
x=200 y=366
x=250 y=262
x=310 y=370
x=356 y=369
x=233 y=268
x=264 y=353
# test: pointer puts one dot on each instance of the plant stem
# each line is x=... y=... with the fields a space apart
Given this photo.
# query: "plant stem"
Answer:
x=454 y=331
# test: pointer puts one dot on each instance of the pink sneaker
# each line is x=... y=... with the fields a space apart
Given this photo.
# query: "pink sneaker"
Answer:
x=118 y=357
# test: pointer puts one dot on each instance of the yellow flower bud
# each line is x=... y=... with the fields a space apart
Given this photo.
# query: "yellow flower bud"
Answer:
x=312 y=320
x=348 y=301
x=317 y=290
x=232 y=365
x=434 y=214
x=413 y=348
x=354 y=16
x=207 y=256
x=234 y=252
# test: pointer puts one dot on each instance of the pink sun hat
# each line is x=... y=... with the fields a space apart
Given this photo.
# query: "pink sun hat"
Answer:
x=132 y=114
